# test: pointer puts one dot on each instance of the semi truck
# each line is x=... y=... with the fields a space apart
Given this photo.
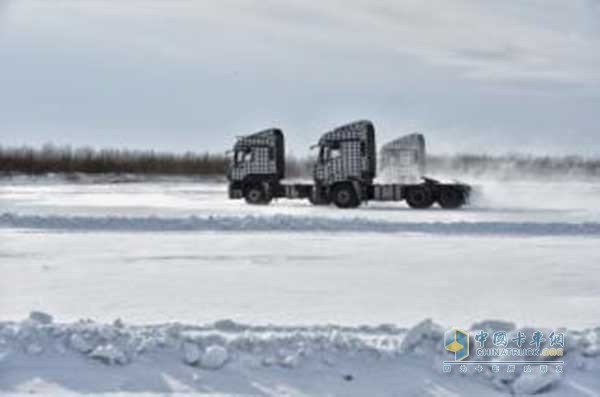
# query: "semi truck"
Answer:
x=343 y=174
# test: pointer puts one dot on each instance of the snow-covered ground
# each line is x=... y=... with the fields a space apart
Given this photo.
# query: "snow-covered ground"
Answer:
x=158 y=252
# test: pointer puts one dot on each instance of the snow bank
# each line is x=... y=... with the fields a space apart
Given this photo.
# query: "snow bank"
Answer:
x=292 y=223
x=223 y=355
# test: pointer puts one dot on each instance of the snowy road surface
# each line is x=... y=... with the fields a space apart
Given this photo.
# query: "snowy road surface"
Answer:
x=158 y=252
x=301 y=278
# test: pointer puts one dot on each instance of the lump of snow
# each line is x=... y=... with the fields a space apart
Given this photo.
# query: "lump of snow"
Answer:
x=227 y=325
x=268 y=361
x=107 y=333
x=143 y=344
x=40 y=317
x=291 y=361
x=589 y=344
x=34 y=349
x=535 y=383
x=191 y=353
x=78 y=343
x=215 y=357
x=425 y=335
x=109 y=354
x=591 y=351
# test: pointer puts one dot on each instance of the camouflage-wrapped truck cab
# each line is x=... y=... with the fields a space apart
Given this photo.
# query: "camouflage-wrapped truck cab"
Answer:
x=257 y=164
x=257 y=168
x=346 y=164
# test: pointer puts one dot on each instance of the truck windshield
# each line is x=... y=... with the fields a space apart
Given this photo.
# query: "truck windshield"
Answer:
x=327 y=153
x=242 y=156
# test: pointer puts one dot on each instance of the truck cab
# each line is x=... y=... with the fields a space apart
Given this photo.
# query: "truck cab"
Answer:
x=403 y=159
x=257 y=165
x=346 y=164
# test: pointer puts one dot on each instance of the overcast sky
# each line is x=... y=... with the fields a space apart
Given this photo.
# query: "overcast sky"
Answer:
x=487 y=75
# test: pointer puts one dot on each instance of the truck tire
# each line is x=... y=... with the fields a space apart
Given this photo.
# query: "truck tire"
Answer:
x=451 y=197
x=344 y=196
x=319 y=198
x=256 y=195
x=420 y=197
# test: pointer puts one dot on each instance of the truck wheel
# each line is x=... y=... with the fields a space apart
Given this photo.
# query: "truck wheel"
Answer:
x=344 y=196
x=321 y=199
x=256 y=195
x=420 y=197
x=451 y=198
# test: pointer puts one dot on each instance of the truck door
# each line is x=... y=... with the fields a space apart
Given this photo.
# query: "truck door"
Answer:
x=331 y=160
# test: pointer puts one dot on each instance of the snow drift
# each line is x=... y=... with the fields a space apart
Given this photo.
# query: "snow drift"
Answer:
x=292 y=223
x=37 y=355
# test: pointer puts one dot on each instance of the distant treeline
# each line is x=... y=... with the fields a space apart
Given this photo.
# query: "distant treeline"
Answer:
x=64 y=159
x=514 y=166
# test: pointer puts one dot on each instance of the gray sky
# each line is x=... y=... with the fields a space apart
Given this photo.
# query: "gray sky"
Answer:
x=487 y=75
